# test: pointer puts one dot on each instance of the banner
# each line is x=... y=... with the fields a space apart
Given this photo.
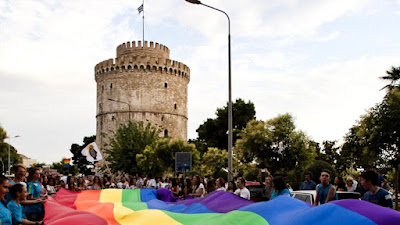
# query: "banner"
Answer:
x=92 y=152
x=67 y=162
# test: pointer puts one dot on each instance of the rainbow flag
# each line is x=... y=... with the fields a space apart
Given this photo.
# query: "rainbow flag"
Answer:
x=148 y=206
x=67 y=162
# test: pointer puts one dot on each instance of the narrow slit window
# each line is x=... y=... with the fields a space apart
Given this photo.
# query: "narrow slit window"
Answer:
x=165 y=84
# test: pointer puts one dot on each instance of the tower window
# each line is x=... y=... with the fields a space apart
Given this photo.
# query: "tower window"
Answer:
x=165 y=84
x=110 y=85
x=102 y=88
x=175 y=106
x=165 y=133
x=162 y=118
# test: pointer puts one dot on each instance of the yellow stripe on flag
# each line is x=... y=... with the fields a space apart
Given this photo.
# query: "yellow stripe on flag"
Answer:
x=143 y=217
x=111 y=195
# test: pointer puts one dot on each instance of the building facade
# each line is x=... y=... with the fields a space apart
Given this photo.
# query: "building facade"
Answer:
x=141 y=84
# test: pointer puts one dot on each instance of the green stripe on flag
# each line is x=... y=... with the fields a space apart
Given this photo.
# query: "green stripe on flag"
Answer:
x=231 y=218
x=131 y=199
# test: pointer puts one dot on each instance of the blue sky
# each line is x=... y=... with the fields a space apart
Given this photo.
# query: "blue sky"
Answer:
x=318 y=60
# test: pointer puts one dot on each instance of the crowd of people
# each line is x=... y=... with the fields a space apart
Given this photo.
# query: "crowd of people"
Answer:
x=23 y=196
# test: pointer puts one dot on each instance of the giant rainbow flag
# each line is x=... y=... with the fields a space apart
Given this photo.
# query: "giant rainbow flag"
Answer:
x=148 y=206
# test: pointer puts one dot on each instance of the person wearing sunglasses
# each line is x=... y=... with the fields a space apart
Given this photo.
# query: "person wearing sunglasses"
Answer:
x=326 y=192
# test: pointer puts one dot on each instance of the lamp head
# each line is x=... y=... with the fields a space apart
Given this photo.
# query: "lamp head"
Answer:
x=193 y=1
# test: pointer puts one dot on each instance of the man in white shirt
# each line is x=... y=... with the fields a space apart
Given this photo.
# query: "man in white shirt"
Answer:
x=242 y=191
x=151 y=183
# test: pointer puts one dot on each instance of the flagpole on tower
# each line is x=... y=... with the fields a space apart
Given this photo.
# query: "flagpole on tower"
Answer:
x=140 y=10
x=143 y=22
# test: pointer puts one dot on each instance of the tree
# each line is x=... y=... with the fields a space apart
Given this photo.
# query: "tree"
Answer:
x=394 y=77
x=78 y=159
x=316 y=169
x=160 y=158
x=59 y=166
x=213 y=161
x=213 y=132
x=276 y=145
x=374 y=141
x=4 y=147
x=129 y=140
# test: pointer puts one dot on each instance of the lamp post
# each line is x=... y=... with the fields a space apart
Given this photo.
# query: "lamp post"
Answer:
x=9 y=153
x=113 y=100
x=230 y=133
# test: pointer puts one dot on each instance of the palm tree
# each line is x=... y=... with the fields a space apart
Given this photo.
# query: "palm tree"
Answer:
x=394 y=77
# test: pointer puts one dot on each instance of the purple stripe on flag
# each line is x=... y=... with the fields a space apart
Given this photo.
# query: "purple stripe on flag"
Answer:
x=219 y=201
x=376 y=213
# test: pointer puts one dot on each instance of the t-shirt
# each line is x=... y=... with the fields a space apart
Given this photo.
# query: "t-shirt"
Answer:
x=151 y=183
x=34 y=189
x=382 y=198
x=284 y=192
x=308 y=186
x=243 y=193
x=201 y=186
x=5 y=215
x=13 y=182
x=16 y=212
x=139 y=183
x=121 y=185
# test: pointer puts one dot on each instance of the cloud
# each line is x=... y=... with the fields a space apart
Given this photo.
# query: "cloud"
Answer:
x=49 y=48
x=329 y=37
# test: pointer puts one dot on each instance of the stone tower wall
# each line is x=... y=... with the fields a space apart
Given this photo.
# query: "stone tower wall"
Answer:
x=154 y=86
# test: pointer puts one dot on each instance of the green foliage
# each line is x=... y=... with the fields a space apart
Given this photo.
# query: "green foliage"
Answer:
x=3 y=134
x=316 y=169
x=251 y=172
x=4 y=147
x=213 y=161
x=130 y=140
x=388 y=129
x=393 y=76
x=330 y=153
x=276 y=145
x=374 y=140
x=78 y=159
x=213 y=132
x=160 y=157
x=59 y=166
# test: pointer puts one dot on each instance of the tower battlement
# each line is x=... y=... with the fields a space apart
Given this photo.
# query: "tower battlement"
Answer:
x=153 y=58
x=143 y=49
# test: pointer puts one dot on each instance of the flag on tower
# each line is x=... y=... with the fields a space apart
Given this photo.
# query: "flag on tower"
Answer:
x=140 y=9
x=92 y=152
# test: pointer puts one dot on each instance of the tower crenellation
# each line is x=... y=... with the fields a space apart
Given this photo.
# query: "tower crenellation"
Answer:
x=154 y=49
x=151 y=58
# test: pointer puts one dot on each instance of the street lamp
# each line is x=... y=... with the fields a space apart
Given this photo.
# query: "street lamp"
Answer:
x=230 y=133
x=113 y=100
x=9 y=155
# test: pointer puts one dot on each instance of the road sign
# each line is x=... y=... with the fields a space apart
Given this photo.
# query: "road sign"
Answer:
x=183 y=161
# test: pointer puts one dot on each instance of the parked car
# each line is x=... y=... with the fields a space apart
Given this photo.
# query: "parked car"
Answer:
x=257 y=192
x=309 y=195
